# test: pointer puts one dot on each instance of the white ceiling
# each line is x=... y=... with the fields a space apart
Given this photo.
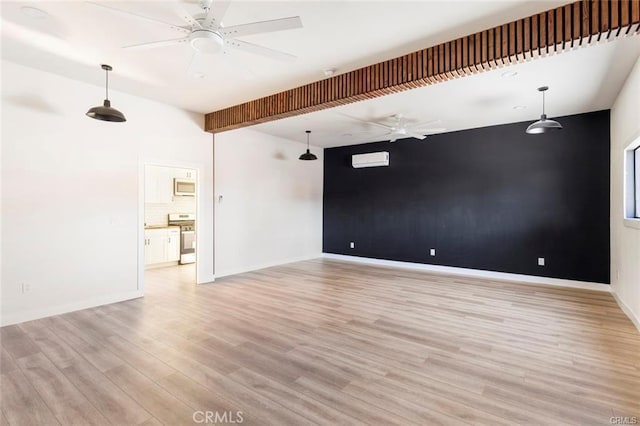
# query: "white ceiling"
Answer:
x=582 y=80
x=76 y=37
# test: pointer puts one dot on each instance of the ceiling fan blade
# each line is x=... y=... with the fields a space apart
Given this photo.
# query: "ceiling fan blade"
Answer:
x=262 y=27
x=373 y=123
x=194 y=70
x=190 y=20
x=216 y=12
x=431 y=130
x=381 y=138
x=146 y=18
x=239 y=67
x=416 y=135
x=425 y=124
x=260 y=50
x=161 y=43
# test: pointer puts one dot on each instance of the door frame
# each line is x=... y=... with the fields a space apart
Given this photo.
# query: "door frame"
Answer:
x=142 y=164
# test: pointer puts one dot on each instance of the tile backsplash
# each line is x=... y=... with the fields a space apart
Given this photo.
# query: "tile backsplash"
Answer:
x=156 y=214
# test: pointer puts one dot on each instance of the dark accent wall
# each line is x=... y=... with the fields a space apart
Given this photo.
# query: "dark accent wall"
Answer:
x=492 y=198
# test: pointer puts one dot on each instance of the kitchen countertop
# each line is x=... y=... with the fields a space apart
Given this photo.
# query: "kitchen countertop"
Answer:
x=161 y=226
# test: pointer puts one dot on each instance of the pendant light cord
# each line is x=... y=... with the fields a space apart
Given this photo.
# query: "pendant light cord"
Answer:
x=107 y=85
x=543 y=103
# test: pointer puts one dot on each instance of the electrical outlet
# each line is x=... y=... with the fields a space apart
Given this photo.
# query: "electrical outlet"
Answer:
x=26 y=288
x=541 y=261
x=432 y=252
x=352 y=244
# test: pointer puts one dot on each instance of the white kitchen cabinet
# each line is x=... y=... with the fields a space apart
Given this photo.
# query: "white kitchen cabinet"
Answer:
x=161 y=245
x=173 y=244
x=184 y=173
x=158 y=184
x=155 y=250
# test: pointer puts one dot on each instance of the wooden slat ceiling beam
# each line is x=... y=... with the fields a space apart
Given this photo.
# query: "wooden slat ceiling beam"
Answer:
x=566 y=27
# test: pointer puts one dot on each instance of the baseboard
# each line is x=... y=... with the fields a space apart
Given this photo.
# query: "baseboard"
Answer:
x=71 y=307
x=627 y=310
x=161 y=265
x=255 y=267
x=502 y=276
x=208 y=279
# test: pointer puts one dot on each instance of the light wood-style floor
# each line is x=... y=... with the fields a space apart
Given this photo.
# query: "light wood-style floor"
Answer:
x=327 y=342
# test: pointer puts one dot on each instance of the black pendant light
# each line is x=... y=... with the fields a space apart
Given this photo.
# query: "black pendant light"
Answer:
x=308 y=155
x=105 y=112
x=543 y=125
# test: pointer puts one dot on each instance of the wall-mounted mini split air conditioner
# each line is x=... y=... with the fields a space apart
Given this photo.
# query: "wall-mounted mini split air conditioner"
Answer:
x=372 y=159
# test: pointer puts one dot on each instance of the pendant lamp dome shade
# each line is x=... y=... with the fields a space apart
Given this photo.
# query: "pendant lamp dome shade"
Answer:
x=543 y=125
x=308 y=156
x=105 y=112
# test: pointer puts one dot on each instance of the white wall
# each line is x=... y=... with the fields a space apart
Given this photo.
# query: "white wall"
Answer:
x=625 y=240
x=271 y=207
x=71 y=219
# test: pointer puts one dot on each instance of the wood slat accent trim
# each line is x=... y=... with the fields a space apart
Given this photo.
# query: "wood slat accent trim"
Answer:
x=575 y=24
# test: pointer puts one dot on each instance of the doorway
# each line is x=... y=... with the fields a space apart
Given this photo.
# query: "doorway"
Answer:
x=170 y=222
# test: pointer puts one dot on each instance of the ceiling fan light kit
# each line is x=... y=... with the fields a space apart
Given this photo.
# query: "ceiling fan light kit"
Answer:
x=105 y=112
x=207 y=42
x=308 y=156
x=545 y=124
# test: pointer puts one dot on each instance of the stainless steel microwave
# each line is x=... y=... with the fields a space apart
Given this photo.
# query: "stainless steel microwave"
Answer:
x=184 y=187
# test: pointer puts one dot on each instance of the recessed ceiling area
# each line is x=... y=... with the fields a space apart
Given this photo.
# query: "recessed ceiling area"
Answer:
x=582 y=80
x=74 y=38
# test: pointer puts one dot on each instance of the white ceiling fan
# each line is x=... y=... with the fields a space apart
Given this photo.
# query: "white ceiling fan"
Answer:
x=399 y=127
x=206 y=34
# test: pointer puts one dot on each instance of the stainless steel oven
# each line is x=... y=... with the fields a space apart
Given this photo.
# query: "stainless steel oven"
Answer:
x=187 y=224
